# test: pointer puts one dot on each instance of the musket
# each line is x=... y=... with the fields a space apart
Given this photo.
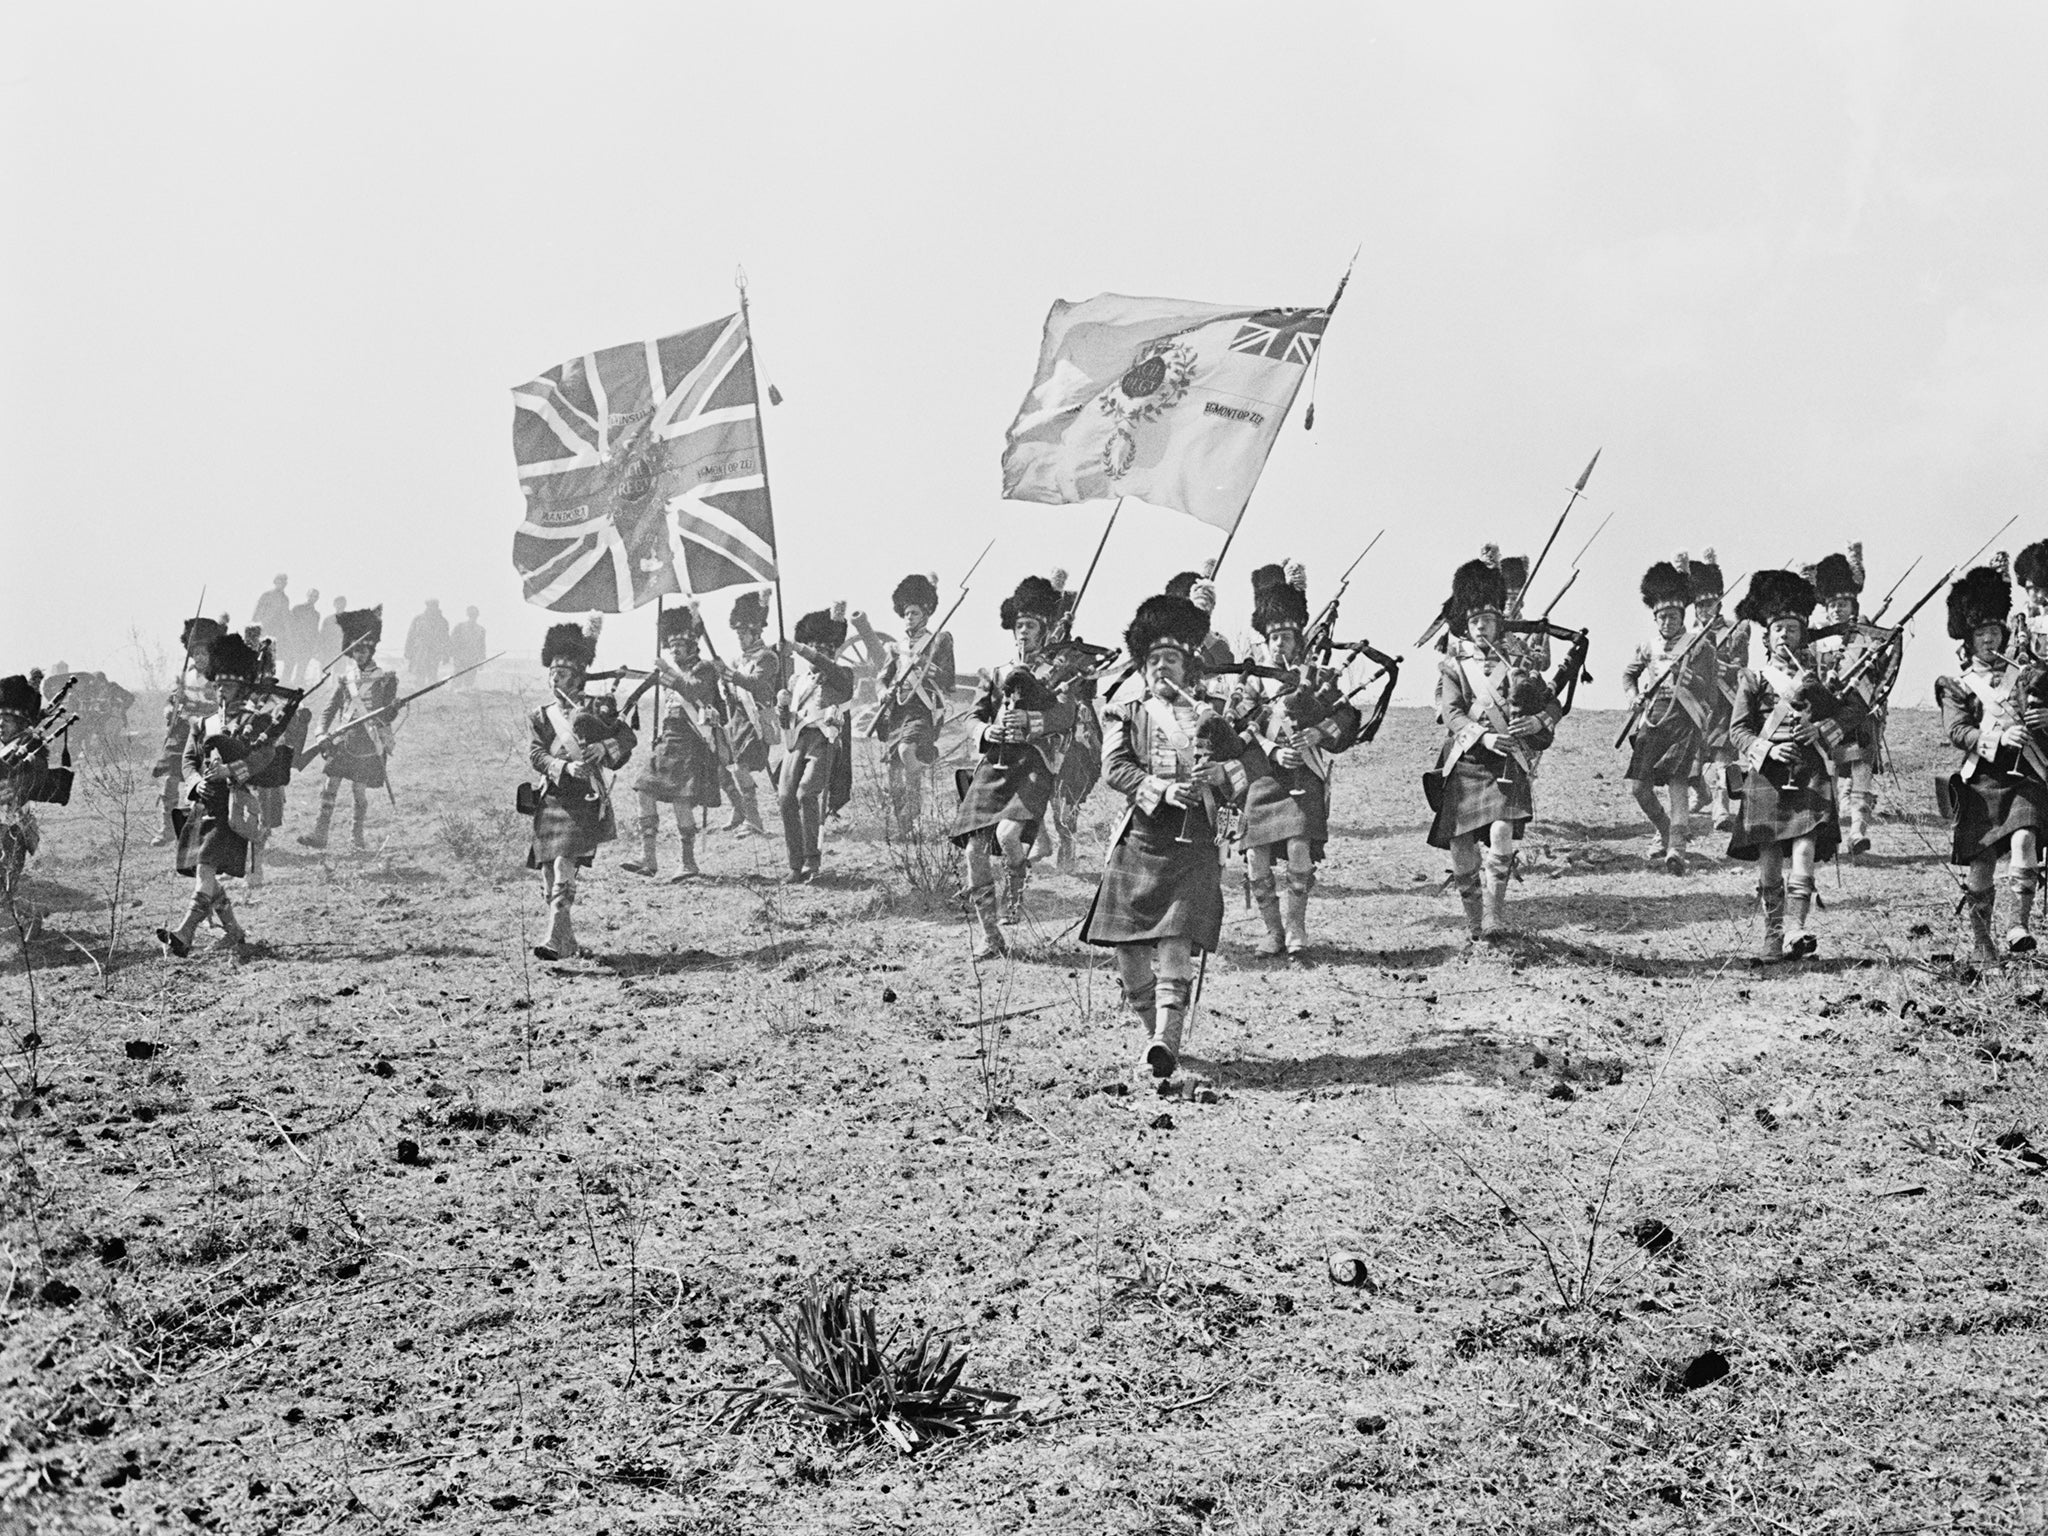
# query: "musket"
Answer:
x=312 y=748
x=1578 y=490
x=1869 y=658
x=1881 y=607
x=1066 y=619
x=197 y=609
x=1669 y=675
x=1317 y=635
x=1545 y=615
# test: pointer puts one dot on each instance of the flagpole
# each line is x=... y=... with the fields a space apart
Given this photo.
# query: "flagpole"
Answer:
x=1074 y=607
x=761 y=447
x=1329 y=310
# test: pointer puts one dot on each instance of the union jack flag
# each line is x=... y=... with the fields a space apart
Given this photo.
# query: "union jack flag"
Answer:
x=1290 y=335
x=632 y=456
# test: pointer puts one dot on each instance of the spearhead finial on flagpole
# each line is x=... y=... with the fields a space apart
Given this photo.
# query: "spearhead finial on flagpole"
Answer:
x=739 y=281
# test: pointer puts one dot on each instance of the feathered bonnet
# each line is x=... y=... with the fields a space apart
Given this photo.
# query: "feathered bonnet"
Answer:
x=682 y=623
x=749 y=611
x=2031 y=568
x=1840 y=575
x=18 y=696
x=360 y=624
x=232 y=656
x=1167 y=619
x=568 y=642
x=1665 y=586
x=1703 y=575
x=823 y=630
x=917 y=589
x=1276 y=600
x=1776 y=595
x=1981 y=596
x=1035 y=598
x=1475 y=585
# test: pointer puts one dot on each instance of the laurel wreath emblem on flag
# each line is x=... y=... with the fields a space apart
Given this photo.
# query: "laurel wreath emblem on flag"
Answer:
x=1150 y=387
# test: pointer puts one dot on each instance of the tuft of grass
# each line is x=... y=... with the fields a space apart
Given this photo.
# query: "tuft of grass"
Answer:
x=844 y=1370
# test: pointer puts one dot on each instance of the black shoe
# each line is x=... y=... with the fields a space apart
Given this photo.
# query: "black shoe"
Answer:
x=175 y=946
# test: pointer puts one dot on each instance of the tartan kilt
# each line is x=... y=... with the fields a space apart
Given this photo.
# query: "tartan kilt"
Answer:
x=1273 y=813
x=908 y=733
x=681 y=770
x=1771 y=813
x=356 y=764
x=1081 y=768
x=1862 y=742
x=1474 y=798
x=1017 y=787
x=570 y=829
x=1155 y=887
x=1991 y=807
x=1666 y=753
x=270 y=808
x=204 y=837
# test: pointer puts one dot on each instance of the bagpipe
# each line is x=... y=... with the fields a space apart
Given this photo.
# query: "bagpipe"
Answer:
x=1036 y=685
x=593 y=719
x=690 y=691
x=1563 y=683
x=1810 y=702
x=1216 y=740
x=26 y=756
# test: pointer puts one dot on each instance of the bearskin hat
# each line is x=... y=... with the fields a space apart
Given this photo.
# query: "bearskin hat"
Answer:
x=232 y=656
x=18 y=696
x=1167 y=619
x=680 y=623
x=821 y=631
x=1776 y=595
x=1704 y=576
x=1837 y=576
x=360 y=624
x=570 y=643
x=1664 y=586
x=1276 y=600
x=1514 y=572
x=2031 y=569
x=1982 y=596
x=1035 y=598
x=916 y=589
x=1474 y=585
x=750 y=611
x=198 y=634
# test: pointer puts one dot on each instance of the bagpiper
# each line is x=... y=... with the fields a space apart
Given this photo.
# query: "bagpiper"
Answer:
x=1673 y=679
x=1498 y=712
x=1785 y=738
x=575 y=740
x=1178 y=764
x=188 y=703
x=225 y=755
x=1730 y=647
x=2030 y=570
x=916 y=680
x=363 y=695
x=814 y=733
x=1025 y=722
x=1860 y=706
x=269 y=782
x=1081 y=759
x=1301 y=721
x=751 y=683
x=688 y=759
x=28 y=722
x=1996 y=714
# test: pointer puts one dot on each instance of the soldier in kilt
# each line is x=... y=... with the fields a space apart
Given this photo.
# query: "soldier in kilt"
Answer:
x=1287 y=806
x=271 y=781
x=574 y=743
x=189 y=702
x=688 y=759
x=1996 y=715
x=816 y=730
x=1498 y=716
x=2030 y=570
x=357 y=756
x=751 y=684
x=1838 y=580
x=1025 y=724
x=1177 y=763
x=224 y=756
x=1785 y=738
x=1081 y=762
x=1666 y=751
x=916 y=679
x=1729 y=648
x=25 y=777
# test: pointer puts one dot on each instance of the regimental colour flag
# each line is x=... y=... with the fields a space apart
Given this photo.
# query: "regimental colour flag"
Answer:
x=635 y=457
x=1172 y=402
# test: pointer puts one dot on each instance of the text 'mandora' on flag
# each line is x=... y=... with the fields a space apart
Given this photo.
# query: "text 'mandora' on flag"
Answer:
x=633 y=457
x=1173 y=402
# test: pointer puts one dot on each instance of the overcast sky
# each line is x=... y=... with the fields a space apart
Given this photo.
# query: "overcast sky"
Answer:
x=272 y=271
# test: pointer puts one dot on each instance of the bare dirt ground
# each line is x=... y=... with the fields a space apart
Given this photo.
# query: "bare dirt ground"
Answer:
x=389 y=1227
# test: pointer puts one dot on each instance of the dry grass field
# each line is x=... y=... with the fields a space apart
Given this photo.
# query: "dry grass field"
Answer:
x=389 y=1227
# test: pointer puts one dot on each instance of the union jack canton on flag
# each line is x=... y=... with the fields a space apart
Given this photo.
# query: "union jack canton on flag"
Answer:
x=632 y=456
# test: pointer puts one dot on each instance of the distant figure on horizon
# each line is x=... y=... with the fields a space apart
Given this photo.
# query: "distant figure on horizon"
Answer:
x=273 y=608
x=466 y=646
x=330 y=634
x=298 y=643
x=426 y=644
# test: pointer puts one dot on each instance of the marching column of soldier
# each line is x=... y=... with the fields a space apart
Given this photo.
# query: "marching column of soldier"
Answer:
x=1770 y=721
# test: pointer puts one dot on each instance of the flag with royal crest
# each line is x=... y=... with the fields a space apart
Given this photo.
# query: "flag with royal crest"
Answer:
x=641 y=468
x=1173 y=402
